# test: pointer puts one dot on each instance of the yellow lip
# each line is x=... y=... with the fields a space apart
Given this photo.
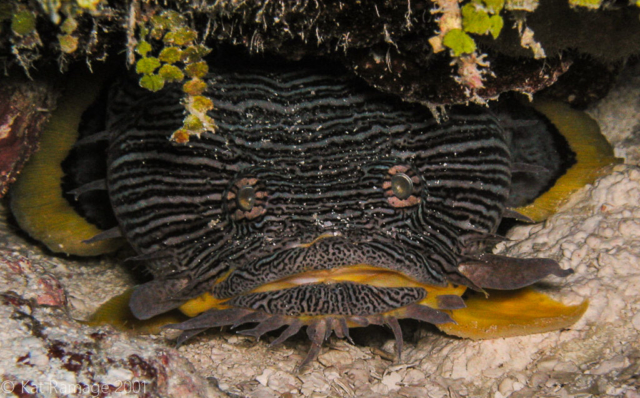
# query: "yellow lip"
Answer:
x=358 y=273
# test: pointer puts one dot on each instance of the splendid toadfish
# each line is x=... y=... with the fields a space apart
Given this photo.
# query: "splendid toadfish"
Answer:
x=318 y=202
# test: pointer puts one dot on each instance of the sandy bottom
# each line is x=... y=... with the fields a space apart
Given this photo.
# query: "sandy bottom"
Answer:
x=44 y=350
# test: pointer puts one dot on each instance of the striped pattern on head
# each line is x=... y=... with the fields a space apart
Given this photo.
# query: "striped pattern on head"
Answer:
x=301 y=155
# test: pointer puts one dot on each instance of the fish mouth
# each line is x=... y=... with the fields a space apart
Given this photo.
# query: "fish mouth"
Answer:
x=333 y=257
x=433 y=296
x=389 y=275
x=275 y=305
x=335 y=292
x=331 y=260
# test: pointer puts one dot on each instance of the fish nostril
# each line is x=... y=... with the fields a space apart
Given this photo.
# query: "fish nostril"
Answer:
x=402 y=186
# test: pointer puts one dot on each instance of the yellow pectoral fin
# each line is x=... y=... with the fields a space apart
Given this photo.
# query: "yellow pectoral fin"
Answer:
x=36 y=197
x=116 y=312
x=511 y=313
x=593 y=153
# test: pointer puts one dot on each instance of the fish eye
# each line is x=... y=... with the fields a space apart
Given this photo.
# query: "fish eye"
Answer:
x=246 y=198
x=402 y=186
